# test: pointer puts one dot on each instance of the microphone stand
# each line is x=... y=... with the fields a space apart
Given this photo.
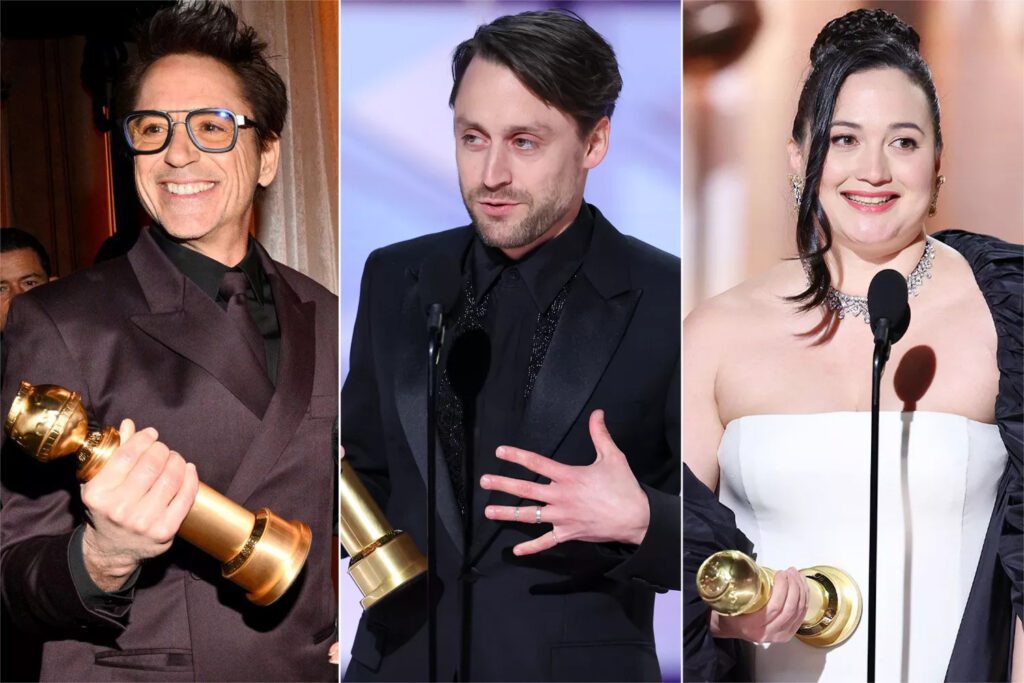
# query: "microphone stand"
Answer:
x=880 y=356
x=435 y=329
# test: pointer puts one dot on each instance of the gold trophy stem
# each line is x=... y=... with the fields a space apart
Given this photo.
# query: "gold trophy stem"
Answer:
x=382 y=559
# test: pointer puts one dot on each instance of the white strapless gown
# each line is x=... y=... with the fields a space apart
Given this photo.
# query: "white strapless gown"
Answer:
x=799 y=486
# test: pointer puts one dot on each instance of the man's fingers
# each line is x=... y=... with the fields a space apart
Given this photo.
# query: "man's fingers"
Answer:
x=126 y=429
x=540 y=544
x=124 y=459
x=515 y=487
x=525 y=514
x=182 y=501
x=545 y=467
x=599 y=434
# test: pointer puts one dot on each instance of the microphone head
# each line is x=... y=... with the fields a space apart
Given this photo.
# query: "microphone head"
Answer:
x=440 y=282
x=887 y=298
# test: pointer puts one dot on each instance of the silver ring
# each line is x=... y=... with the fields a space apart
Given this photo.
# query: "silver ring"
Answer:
x=538 y=519
x=515 y=514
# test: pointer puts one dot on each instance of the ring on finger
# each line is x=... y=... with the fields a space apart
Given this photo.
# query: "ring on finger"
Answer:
x=515 y=514
x=537 y=519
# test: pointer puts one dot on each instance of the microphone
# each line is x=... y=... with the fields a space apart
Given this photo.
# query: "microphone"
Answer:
x=889 y=315
x=888 y=310
x=440 y=281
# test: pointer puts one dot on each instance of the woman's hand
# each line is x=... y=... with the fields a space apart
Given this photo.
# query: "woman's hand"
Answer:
x=777 y=622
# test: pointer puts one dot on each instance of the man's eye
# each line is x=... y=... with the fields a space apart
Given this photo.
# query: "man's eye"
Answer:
x=210 y=127
x=31 y=282
x=153 y=129
x=472 y=140
x=524 y=144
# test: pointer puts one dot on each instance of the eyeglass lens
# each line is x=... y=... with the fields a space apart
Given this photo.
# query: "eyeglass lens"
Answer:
x=214 y=130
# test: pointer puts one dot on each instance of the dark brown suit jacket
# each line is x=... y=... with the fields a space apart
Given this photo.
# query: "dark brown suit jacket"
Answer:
x=138 y=339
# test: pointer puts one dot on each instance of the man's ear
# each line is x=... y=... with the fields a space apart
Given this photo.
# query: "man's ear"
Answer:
x=269 y=159
x=597 y=143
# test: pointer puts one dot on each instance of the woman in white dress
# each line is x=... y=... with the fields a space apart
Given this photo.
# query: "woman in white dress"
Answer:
x=777 y=392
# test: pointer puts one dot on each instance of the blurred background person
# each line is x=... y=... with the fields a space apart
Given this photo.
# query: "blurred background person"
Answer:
x=24 y=265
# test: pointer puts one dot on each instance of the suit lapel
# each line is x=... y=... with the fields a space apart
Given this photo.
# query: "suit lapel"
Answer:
x=188 y=322
x=411 y=397
x=596 y=315
x=294 y=388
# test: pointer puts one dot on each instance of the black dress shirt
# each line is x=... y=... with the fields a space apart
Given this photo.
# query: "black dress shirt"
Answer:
x=207 y=274
x=516 y=295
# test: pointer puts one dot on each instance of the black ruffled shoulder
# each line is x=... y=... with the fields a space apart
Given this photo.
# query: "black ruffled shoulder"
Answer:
x=983 y=643
x=710 y=527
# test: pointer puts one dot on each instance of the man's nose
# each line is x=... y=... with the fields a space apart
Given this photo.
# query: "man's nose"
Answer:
x=496 y=169
x=180 y=151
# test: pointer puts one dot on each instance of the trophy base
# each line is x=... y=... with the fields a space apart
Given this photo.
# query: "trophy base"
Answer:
x=271 y=559
x=842 y=613
x=387 y=567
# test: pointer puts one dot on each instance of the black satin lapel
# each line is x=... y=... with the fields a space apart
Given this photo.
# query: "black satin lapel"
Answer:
x=587 y=335
x=411 y=403
x=292 y=395
x=201 y=332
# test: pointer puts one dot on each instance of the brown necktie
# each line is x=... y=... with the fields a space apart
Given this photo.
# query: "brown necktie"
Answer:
x=233 y=288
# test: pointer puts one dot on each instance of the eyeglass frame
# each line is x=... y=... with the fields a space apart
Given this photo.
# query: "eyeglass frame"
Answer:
x=240 y=120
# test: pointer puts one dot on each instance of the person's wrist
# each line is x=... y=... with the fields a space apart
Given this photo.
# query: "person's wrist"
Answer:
x=636 y=531
x=108 y=570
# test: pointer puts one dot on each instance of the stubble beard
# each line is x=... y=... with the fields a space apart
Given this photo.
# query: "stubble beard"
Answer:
x=503 y=234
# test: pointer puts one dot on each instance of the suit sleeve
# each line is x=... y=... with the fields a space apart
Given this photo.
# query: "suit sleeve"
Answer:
x=655 y=562
x=40 y=502
x=362 y=432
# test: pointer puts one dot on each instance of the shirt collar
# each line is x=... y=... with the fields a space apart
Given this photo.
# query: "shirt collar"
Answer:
x=206 y=272
x=545 y=270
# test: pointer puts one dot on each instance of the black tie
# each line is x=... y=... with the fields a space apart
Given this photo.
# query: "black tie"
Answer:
x=233 y=289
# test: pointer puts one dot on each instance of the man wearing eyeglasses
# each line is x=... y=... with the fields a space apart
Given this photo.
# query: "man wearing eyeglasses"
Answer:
x=228 y=358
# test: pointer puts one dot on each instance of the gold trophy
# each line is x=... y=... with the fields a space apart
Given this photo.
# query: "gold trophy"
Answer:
x=382 y=559
x=732 y=584
x=260 y=552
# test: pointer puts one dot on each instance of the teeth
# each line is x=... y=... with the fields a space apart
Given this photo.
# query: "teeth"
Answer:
x=190 y=188
x=870 y=201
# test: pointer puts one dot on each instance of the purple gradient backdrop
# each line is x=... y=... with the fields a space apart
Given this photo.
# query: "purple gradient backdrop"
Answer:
x=398 y=176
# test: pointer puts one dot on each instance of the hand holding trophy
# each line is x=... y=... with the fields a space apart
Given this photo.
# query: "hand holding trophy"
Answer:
x=732 y=584
x=260 y=552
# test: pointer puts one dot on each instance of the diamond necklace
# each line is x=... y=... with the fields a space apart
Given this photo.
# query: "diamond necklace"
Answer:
x=857 y=306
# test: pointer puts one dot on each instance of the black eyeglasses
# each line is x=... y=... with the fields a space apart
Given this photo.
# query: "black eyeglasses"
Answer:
x=211 y=130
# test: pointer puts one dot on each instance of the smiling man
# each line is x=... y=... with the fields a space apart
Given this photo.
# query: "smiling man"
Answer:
x=559 y=388
x=228 y=358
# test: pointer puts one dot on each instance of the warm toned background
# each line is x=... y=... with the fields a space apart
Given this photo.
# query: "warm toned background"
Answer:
x=737 y=217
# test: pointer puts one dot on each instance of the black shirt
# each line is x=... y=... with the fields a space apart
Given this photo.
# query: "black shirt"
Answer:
x=515 y=295
x=207 y=273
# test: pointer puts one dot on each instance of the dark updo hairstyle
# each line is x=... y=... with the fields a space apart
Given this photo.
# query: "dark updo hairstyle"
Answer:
x=858 y=41
x=556 y=55
x=210 y=28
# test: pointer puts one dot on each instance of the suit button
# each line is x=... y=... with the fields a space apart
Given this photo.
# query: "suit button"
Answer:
x=470 y=575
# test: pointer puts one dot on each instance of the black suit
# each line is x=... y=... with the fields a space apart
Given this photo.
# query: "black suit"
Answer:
x=580 y=611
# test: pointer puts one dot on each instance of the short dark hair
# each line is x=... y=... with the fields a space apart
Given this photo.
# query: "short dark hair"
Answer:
x=857 y=41
x=556 y=55
x=212 y=29
x=12 y=239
